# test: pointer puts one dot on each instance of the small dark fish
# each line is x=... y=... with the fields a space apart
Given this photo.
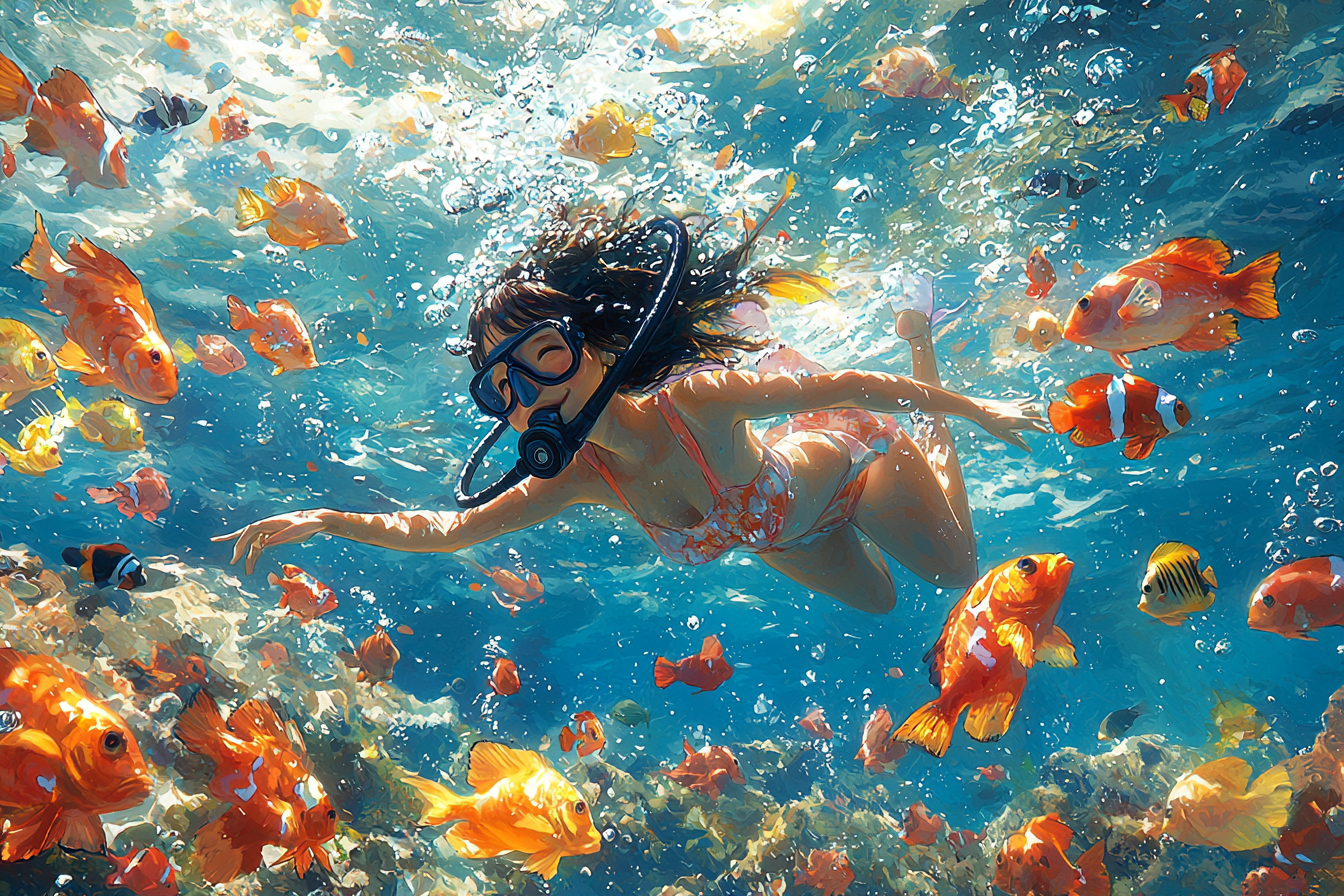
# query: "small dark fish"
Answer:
x=9 y=721
x=1054 y=182
x=1114 y=726
x=630 y=713
x=106 y=564
x=166 y=113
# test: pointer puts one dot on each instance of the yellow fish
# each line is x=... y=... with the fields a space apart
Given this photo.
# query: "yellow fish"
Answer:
x=113 y=423
x=26 y=364
x=1211 y=806
x=602 y=134
x=1237 y=721
x=520 y=804
x=1042 y=330
x=1173 y=586
x=39 y=449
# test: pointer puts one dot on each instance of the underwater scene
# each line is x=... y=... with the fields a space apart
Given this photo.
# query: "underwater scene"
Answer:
x=671 y=447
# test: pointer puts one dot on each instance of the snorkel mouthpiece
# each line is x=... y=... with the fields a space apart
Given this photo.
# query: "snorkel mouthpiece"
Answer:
x=542 y=446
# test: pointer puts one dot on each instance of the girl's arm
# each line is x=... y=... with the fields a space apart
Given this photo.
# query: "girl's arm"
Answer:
x=422 y=531
x=752 y=396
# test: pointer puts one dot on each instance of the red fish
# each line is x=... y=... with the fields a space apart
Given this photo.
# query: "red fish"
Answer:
x=993 y=773
x=1033 y=862
x=1179 y=295
x=706 y=670
x=262 y=771
x=1276 y=881
x=827 y=870
x=144 y=492
x=921 y=828
x=168 y=671
x=995 y=633
x=1040 y=274
x=69 y=760
x=65 y=121
x=112 y=336
x=218 y=355
x=590 y=737
x=503 y=678
x=913 y=72
x=145 y=872
x=374 y=658
x=273 y=655
x=304 y=596
x=1102 y=408
x=962 y=841
x=8 y=164
x=1215 y=80
x=278 y=333
x=231 y=123
x=814 y=723
x=877 y=749
x=707 y=770
x=1301 y=597
x=517 y=590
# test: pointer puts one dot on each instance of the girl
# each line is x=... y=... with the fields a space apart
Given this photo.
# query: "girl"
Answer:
x=814 y=498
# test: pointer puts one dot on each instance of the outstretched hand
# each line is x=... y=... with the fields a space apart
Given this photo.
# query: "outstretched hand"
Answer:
x=1008 y=420
x=285 y=528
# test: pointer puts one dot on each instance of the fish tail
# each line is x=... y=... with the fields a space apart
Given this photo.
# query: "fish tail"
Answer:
x=32 y=833
x=102 y=495
x=16 y=91
x=440 y=803
x=1266 y=808
x=1176 y=106
x=664 y=672
x=240 y=316
x=251 y=208
x=1254 y=288
x=200 y=726
x=1061 y=417
x=227 y=848
x=567 y=739
x=1095 y=880
x=644 y=125
x=9 y=451
x=929 y=727
x=42 y=262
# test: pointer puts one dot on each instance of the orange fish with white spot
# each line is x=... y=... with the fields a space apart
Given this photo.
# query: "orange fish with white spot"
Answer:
x=1299 y=598
x=374 y=658
x=231 y=123
x=1215 y=80
x=144 y=492
x=997 y=631
x=707 y=770
x=589 y=736
x=304 y=596
x=1034 y=862
x=296 y=213
x=66 y=122
x=921 y=828
x=112 y=336
x=278 y=333
x=145 y=872
x=1040 y=275
x=1102 y=408
x=218 y=355
x=705 y=670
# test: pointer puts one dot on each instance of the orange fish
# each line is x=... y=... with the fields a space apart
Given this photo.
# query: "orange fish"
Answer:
x=814 y=723
x=168 y=671
x=66 y=760
x=347 y=55
x=1033 y=863
x=144 y=492
x=706 y=670
x=1308 y=839
x=921 y=828
x=231 y=123
x=827 y=870
x=1040 y=274
x=278 y=333
x=375 y=658
x=707 y=770
x=1102 y=408
x=296 y=213
x=995 y=633
x=1276 y=881
x=962 y=841
x=517 y=590
x=503 y=678
x=667 y=39
x=589 y=737
x=405 y=629
x=783 y=238
x=262 y=771
x=65 y=121
x=8 y=164
x=993 y=773
x=218 y=355
x=1299 y=598
x=304 y=596
x=177 y=41
x=112 y=336
x=1215 y=80
x=723 y=158
x=145 y=872
x=265 y=159
x=908 y=72
x=877 y=749
x=273 y=655
x=602 y=133
x=1177 y=295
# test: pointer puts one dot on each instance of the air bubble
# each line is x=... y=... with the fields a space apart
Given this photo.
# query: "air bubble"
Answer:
x=693 y=622
x=1223 y=647
x=1305 y=335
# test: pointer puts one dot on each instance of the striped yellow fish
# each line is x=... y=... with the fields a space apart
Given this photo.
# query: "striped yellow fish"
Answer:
x=1173 y=586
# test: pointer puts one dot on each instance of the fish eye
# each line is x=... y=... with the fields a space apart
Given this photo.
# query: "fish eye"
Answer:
x=1084 y=303
x=155 y=357
x=41 y=356
x=1147 y=588
x=1267 y=600
x=331 y=814
x=114 y=743
x=580 y=808
x=1027 y=566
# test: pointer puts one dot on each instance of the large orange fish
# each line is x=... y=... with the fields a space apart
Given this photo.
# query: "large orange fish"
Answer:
x=113 y=338
x=521 y=804
x=1299 y=598
x=998 y=630
x=303 y=595
x=1102 y=408
x=1179 y=295
x=375 y=658
x=1033 y=862
x=65 y=121
x=278 y=333
x=296 y=213
x=1215 y=80
x=262 y=771
x=68 y=760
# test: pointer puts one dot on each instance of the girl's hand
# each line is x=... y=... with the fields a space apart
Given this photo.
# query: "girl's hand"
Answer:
x=282 y=529
x=1007 y=420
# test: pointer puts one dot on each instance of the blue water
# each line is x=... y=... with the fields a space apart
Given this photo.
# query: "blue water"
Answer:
x=387 y=424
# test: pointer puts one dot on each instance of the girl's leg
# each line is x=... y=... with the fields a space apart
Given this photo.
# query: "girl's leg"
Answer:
x=841 y=565
x=914 y=504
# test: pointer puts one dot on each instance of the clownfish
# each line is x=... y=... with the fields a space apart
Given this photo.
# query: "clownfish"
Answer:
x=1102 y=408
x=106 y=565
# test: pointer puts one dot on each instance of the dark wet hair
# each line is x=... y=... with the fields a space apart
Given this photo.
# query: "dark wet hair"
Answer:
x=603 y=273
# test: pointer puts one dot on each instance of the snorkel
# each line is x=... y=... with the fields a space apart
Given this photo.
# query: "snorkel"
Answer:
x=548 y=444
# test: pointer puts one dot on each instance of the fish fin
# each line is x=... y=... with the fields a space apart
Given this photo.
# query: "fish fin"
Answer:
x=251 y=209
x=711 y=648
x=534 y=823
x=567 y=739
x=1209 y=577
x=200 y=725
x=1265 y=810
x=796 y=286
x=1255 y=288
x=1094 y=880
x=16 y=91
x=1199 y=108
x=1121 y=360
x=490 y=762
x=82 y=832
x=86 y=255
x=928 y=727
x=42 y=263
x=1176 y=106
x=1144 y=300
x=9 y=399
x=1195 y=252
x=643 y=125
x=25 y=756
x=440 y=803
x=1021 y=335
x=31 y=833
x=280 y=189
x=664 y=672
x=1168 y=551
x=1017 y=637
x=38 y=138
x=240 y=316
x=350 y=660
x=184 y=353
x=989 y=719
x=95 y=428
x=65 y=88
x=102 y=495
x=1139 y=447
x=1173 y=619
x=227 y=848
x=947 y=72
x=1057 y=650
x=1209 y=335
x=545 y=863
x=1095 y=384
x=1061 y=416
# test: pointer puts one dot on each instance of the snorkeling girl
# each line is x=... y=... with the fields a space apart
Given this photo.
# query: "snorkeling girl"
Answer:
x=621 y=378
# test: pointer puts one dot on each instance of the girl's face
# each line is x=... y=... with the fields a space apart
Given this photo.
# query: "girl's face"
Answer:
x=548 y=353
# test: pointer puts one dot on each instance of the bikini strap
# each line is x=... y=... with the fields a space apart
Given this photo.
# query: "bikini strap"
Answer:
x=590 y=455
x=686 y=440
